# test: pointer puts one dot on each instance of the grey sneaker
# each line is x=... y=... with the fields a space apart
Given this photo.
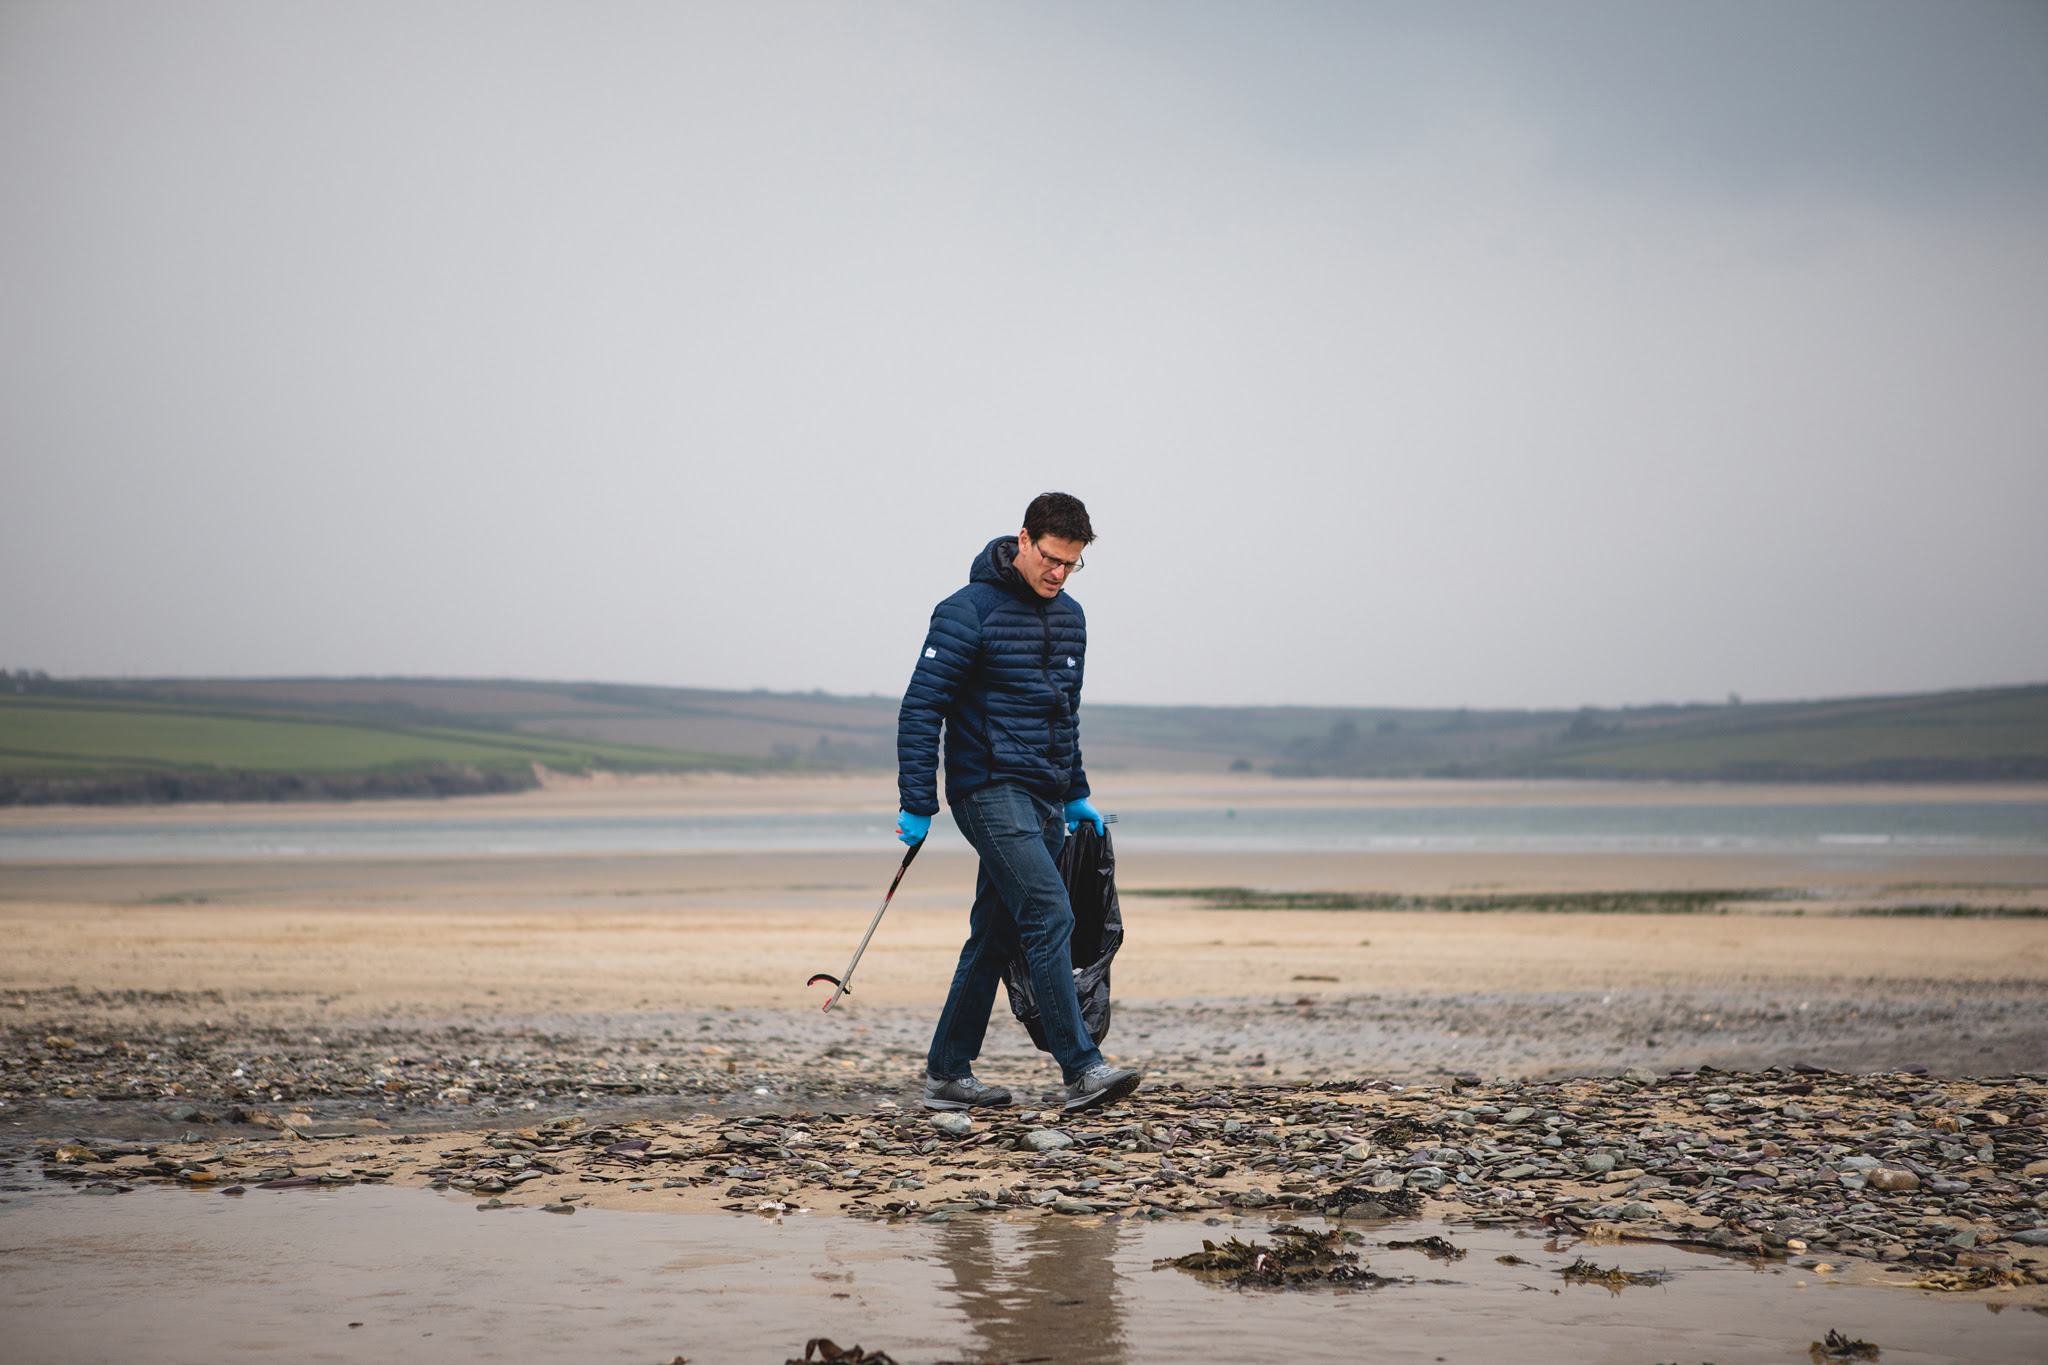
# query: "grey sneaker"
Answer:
x=1104 y=1084
x=965 y=1093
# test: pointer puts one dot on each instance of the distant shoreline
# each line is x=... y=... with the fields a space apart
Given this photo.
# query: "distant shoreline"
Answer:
x=184 y=788
x=568 y=795
x=145 y=791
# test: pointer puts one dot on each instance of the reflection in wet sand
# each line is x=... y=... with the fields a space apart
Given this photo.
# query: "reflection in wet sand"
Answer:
x=1045 y=1289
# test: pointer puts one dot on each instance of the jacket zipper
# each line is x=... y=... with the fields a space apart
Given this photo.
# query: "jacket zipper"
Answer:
x=1045 y=671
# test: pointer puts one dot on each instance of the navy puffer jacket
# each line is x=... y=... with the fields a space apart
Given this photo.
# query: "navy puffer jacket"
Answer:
x=1001 y=668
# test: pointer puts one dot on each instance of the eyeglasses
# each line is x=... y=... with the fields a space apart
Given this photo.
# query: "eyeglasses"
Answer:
x=1074 y=565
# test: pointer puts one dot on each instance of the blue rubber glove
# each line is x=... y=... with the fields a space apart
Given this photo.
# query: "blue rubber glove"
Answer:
x=1080 y=809
x=911 y=829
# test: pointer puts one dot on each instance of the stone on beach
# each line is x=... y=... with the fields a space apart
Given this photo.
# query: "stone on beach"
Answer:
x=1708 y=1159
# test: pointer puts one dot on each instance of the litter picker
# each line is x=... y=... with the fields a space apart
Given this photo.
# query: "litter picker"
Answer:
x=842 y=984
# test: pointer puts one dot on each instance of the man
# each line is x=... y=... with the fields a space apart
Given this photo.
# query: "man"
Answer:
x=1001 y=672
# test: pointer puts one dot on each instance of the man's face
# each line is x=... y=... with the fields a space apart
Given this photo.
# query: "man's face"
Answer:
x=1046 y=562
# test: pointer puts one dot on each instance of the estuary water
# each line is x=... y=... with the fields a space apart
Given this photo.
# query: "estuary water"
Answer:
x=1976 y=827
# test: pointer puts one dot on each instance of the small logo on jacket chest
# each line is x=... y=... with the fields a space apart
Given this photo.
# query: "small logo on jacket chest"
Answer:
x=1071 y=662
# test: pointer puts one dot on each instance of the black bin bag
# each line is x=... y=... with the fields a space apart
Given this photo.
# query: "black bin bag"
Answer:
x=1087 y=864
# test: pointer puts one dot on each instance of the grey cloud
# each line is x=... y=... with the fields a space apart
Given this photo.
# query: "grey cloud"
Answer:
x=1889 y=98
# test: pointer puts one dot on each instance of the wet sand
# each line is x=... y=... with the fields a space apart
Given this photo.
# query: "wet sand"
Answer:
x=362 y=1274
x=445 y=960
x=1876 y=1180
x=482 y=937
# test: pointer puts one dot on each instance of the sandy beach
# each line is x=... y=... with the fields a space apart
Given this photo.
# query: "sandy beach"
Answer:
x=481 y=939
x=386 y=940
x=177 y=1025
x=626 y=943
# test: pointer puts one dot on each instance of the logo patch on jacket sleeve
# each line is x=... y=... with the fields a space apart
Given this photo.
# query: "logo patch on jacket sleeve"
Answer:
x=1070 y=661
x=933 y=654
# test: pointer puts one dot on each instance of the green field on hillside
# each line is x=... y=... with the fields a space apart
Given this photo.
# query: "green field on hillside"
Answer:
x=1990 y=734
x=57 y=734
x=73 y=737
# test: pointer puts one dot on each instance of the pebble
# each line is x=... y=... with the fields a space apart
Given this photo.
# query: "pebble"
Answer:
x=155 y=1052
x=952 y=1124
x=1874 y=1166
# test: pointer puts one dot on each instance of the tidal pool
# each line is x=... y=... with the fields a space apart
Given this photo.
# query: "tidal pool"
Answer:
x=369 y=1274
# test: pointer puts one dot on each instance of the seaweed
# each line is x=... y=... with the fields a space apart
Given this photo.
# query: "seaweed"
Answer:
x=1840 y=1346
x=1674 y=902
x=1366 y=1201
x=1297 y=1259
x=1401 y=1132
x=1955 y=911
x=1583 y=1271
x=829 y=1353
x=1976 y=1277
x=1436 y=1248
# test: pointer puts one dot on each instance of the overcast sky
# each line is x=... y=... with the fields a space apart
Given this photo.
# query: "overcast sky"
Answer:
x=1489 y=354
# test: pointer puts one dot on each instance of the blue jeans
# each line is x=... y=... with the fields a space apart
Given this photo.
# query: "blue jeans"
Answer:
x=1019 y=900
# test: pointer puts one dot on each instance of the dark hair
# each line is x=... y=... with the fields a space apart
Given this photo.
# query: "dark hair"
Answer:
x=1058 y=514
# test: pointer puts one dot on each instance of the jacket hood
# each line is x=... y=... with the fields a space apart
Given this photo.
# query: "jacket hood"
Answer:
x=995 y=564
